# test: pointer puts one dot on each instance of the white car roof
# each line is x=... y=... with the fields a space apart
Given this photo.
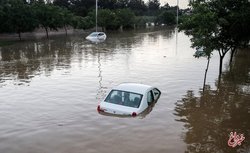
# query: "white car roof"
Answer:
x=96 y=32
x=133 y=87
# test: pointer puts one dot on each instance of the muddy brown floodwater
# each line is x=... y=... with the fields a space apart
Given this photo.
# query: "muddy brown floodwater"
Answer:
x=49 y=91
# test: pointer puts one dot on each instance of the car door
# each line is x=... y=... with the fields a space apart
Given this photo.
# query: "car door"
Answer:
x=150 y=97
x=156 y=93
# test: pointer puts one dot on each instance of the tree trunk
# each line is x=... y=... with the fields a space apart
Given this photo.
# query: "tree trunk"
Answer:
x=221 y=62
x=232 y=55
x=222 y=54
x=47 y=34
x=19 y=35
x=121 y=28
x=231 y=59
x=65 y=28
x=205 y=76
x=220 y=70
x=219 y=81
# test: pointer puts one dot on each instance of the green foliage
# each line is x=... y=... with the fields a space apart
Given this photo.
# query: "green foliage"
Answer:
x=234 y=21
x=140 y=21
x=122 y=4
x=65 y=17
x=81 y=7
x=48 y=15
x=220 y=26
x=82 y=22
x=62 y=3
x=137 y=6
x=2 y=17
x=153 y=7
x=107 y=4
x=202 y=26
x=125 y=18
x=106 y=19
x=149 y=18
x=166 y=17
x=16 y=17
x=153 y=4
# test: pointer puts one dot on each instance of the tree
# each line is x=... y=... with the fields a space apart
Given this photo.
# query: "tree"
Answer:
x=213 y=25
x=202 y=26
x=62 y=3
x=166 y=6
x=166 y=17
x=125 y=18
x=137 y=6
x=106 y=18
x=204 y=52
x=107 y=4
x=140 y=21
x=2 y=16
x=120 y=4
x=83 y=22
x=48 y=16
x=18 y=17
x=153 y=7
x=66 y=18
x=82 y=7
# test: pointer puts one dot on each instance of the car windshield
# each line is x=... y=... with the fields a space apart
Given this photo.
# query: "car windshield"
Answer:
x=94 y=34
x=124 y=98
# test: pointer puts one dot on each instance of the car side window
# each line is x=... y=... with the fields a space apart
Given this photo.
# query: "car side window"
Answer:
x=156 y=93
x=150 y=97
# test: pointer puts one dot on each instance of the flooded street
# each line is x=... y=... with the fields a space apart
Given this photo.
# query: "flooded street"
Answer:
x=50 y=89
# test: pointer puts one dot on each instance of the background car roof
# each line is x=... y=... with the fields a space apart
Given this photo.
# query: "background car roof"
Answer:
x=133 y=87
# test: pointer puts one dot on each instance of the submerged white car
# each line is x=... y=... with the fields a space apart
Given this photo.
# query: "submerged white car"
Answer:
x=129 y=99
x=97 y=37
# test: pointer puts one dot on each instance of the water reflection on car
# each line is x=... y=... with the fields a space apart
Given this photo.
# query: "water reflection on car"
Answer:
x=129 y=99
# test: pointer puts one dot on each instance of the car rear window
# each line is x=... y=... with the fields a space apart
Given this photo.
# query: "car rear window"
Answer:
x=124 y=98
